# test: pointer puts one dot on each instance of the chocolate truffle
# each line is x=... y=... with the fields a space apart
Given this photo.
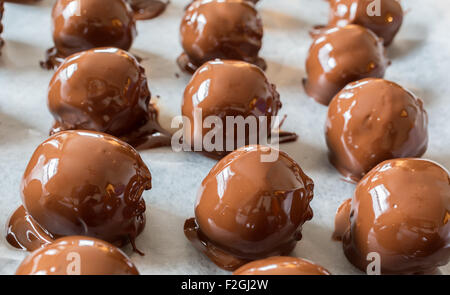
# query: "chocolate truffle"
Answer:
x=384 y=20
x=85 y=24
x=227 y=29
x=281 y=265
x=77 y=255
x=81 y=183
x=229 y=89
x=400 y=210
x=105 y=90
x=373 y=120
x=342 y=55
x=249 y=208
x=147 y=9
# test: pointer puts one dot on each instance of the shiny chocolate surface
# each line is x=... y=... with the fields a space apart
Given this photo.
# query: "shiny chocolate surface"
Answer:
x=248 y=209
x=400 y=210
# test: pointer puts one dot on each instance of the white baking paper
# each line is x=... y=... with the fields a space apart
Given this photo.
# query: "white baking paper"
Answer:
x=420 y=61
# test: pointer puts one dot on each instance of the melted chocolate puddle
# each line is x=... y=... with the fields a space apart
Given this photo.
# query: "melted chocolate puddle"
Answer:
x=149 y=136
x=187 y=66
x=24 y=233
x=52 y=59
x=221 y=258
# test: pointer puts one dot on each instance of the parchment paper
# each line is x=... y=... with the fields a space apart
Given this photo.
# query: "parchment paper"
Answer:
x=420 y=61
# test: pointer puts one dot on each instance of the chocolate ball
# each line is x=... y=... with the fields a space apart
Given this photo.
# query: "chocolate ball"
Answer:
x=342 y=55
x=385 y=22
x=228 y=29
x=105 y=90
x=77 y=255
x=147 y=9
x=86 y=183
x=228 y=88
x=400 y=210
x=249 y=208
x=281 y=265
x=373 y=120
x=85 y=24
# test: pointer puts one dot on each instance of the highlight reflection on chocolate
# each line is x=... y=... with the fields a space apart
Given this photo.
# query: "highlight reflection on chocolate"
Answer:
x=86 y=24
x=229 y=29
x=281 y=265
x=342 y=55
x=105 y=90
x=373 y=120
x=230 y=89
x=147 y=9
x=77 y=255
x=248 y=209
x=385 y=23
x=400 y=210
x=81 y=183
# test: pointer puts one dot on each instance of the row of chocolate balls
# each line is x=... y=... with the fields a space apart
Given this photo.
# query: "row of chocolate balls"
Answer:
x=91 y=184
x=230 y=29
x=353 y=53
x=109 y=69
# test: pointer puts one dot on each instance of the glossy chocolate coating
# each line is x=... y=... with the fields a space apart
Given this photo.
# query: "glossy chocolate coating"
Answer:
x=229 y=88
x=342 y=55
x=147 y=9
x=105 y=90
x=86 y=24
x=23 y=232
x=229 y=29
x=93 y=256
x=386 y=25
x=282 y=266
x=85 y=183
x=400 y=210
x=248 y=209
x=373 y=120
